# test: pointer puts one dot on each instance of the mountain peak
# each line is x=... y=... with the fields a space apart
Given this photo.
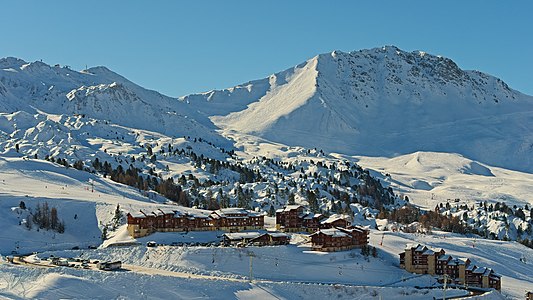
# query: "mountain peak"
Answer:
x=11 y=62
x=380 y=102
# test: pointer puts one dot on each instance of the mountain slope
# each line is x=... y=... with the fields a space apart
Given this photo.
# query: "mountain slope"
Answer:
x=381 y=102
x=97 y=93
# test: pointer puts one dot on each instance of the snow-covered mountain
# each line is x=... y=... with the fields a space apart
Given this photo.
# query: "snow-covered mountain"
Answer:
x=381 y=102
x=97 y=93
x=376 y=102
x=438 y=133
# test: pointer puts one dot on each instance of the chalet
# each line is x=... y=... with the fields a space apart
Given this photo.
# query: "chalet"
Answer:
x=335 y=221
x=138 y=224
x=256 y=238
x=271 y=239
x=311 y=222
x=143 y=223
x=290 y=218
x=236 y=219
x=294 y=218
x=232 y=239
x=529 y=295
x=339 y=239
x=422 y=260
x=485 y=278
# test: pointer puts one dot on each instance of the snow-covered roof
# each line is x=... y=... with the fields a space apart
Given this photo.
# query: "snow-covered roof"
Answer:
x=167 y=211
x=444 y=257
x=488 y=272
x=421 y=248
x=453 y=262
x=137 y=214
x=334 y=218
x=242 y=235
x=232 y=210
x=311 y=216
x=291 y=207
x=235 y=212
x=464 y=260
x=277 y=234
x=429 y=252
x=334 y=232
x=480 y=270
x=471 y=267
x=157 y=213
x=411 y=246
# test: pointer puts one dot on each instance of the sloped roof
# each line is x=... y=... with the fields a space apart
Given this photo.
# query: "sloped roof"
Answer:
x=242 y=235
x=167 y=211
x=444 y=257
x=277 y=234
x=334 y=218
x=471 y=267
x=411 y=246
x=429 y=252
x=137 y=214
x=480 y=270
x=292 y=207
x=334 y=232
x=421 y=248
x=157 y=213
x=228 y=212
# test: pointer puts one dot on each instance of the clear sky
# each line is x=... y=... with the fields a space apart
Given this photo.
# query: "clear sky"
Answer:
x=179 y=47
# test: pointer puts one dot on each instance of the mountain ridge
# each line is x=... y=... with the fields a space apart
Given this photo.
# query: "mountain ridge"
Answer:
x=353 y=98
x=375 y=102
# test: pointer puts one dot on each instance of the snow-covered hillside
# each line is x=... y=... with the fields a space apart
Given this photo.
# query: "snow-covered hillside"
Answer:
x=347 y=133
x=381 y=102
x=430 y=178
x=96 y=93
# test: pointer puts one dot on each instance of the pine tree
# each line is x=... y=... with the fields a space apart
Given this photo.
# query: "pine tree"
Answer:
x=53 y=218
x=271 y=211
x=117 y=217
x=78 y=165
x=291 y=200
x=104 y=233
x=61 y=227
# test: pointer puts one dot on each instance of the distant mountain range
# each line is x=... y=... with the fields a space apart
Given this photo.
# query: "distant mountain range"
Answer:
x=376 y=102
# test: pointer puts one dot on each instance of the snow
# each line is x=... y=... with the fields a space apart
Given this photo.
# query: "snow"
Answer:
x=439 y=132
x=371 y=102
x=19 y=282
x=430 y=178
x=279 y=269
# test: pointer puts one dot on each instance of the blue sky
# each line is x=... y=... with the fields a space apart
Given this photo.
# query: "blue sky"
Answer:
x=179 y=47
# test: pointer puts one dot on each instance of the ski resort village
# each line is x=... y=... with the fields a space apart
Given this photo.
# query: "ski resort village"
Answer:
x=374 y=174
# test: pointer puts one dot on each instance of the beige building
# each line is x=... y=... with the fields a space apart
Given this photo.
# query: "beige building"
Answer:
x=422 y=260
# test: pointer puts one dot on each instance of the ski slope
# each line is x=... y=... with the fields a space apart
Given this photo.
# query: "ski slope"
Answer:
x=430 y=178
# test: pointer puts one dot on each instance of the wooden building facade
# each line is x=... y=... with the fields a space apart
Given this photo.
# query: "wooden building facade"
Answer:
x=339 y=239
x=143 y=223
